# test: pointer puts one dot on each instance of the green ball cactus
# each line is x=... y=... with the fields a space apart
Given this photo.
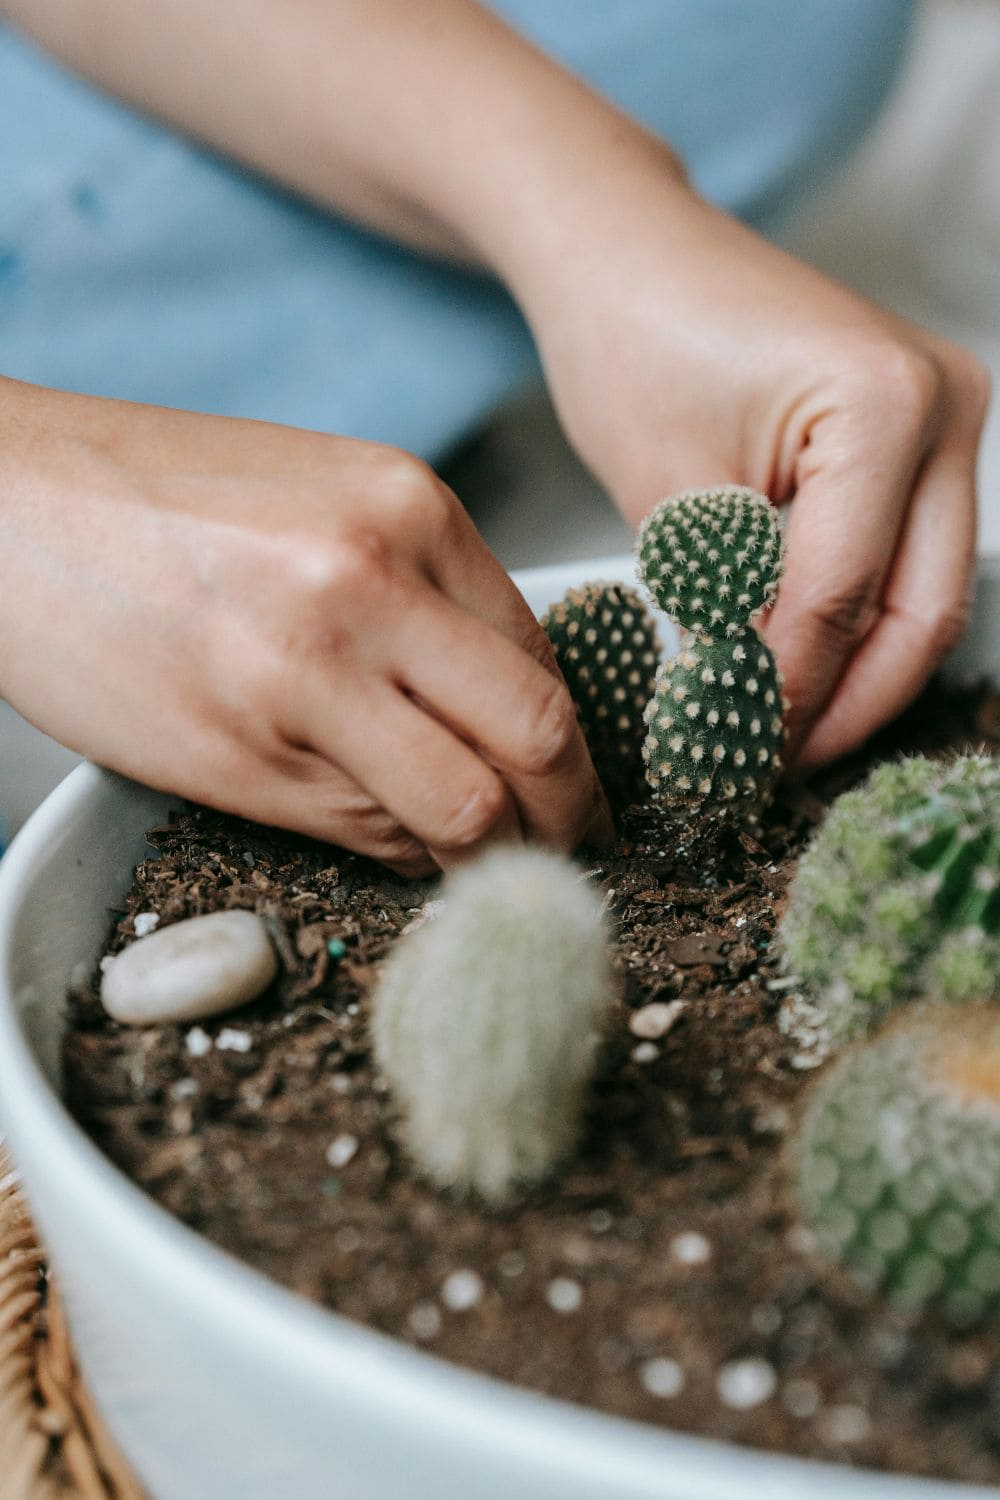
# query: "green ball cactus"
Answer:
x=605 y=643
x=897 y=1163
x=485 y=1022
x=714 y=726
x=899 y=892
x=712 y=559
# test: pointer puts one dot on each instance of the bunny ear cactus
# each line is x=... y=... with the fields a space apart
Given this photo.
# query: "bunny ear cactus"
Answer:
x=899 y=893
x=898 y=1163
x=486 y=1018
x=711 y=560
x=605 y=643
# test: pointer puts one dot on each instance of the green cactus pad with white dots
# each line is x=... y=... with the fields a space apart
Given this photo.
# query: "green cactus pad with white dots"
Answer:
x=897 y=1163
x=605 y=642
x=712 y=558
x=899 y=893
x=713 y=727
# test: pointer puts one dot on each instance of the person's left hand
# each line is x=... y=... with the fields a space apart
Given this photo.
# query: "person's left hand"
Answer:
x=684 y=351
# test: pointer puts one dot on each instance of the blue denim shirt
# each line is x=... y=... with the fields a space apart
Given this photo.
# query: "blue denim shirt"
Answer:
x=136 y=264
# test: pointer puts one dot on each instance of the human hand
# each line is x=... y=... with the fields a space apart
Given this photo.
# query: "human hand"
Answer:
x=302 y=629
x=682 y=350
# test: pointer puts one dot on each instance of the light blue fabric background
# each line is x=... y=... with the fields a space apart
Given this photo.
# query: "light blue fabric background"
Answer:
x=136 y=265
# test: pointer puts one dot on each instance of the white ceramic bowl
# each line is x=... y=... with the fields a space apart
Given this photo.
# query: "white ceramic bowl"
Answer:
x=219 y=1384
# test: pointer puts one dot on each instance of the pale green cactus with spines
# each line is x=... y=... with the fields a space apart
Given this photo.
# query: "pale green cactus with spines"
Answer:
x=897 y=1162
x=899 y=893
x=486 y=1020
x=711 y=560
x=605 y=642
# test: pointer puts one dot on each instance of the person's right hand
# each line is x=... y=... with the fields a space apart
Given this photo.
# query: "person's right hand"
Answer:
x=305 y=630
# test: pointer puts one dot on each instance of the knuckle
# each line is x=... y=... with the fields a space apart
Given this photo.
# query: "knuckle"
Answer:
x=908 y=382
x=412 y=493
x=348 y=566
x=847 y=613
x=551 y=730
x=474 y=819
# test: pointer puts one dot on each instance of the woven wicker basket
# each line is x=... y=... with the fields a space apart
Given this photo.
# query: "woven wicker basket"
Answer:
x=53 y=1445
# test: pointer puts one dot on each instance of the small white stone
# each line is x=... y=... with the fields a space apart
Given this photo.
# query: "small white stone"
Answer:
x=425 y=1320
x=654 y=1021
x=461 y=1290
x=662 y=1377
x=184 y=1088
x=198 y=1042
x=690 y=1248
x=341 y=1150
x=199 y=967
x=231 y=1040
x=564 y=1295
x=146 y=922
x=645 y=1052
x=745 y=1383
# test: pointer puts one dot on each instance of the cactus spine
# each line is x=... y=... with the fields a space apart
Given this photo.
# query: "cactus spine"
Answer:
x=898 y=1163
x=605 y=643
x=899 y=892
x=485 y=1022
x=711 y=560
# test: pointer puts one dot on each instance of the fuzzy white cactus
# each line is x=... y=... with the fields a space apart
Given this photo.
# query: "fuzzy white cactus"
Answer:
x=486 y=1019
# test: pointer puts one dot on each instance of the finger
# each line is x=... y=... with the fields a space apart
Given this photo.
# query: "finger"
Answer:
x=470 y=577
x=518 y=716
x=924 y=610
x=853 y=486
x=287 y=786
x=414 y=767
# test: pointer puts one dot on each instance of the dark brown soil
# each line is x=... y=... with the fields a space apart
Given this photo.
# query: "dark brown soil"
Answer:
x=668 y=1250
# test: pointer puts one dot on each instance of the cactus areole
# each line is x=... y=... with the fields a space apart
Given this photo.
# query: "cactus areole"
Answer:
x=711 y=560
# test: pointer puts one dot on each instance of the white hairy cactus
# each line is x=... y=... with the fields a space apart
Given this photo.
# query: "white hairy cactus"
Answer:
x=486 y=1019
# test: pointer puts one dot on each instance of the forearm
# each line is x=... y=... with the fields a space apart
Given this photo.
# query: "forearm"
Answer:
x=433 y=122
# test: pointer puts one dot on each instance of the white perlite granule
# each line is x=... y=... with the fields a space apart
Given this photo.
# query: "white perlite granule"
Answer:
x=690 y=1248
x=564 y=1295
x=461 y=1290
x=662 y=1377
x=145 y=921
x=744 y=1383
x=231 y=1040
x=341 y=1150
x=198 y=1042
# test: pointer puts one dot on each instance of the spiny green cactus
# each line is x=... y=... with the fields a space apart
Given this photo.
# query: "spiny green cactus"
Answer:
x=898 y=1162
x=711 y=559
x=714 y=726
x=485 y=1022
x=605 y=642
x=899 y=892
